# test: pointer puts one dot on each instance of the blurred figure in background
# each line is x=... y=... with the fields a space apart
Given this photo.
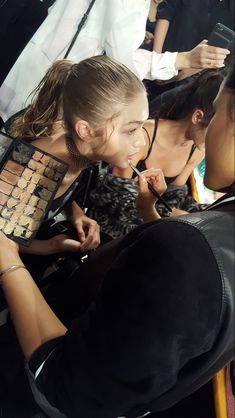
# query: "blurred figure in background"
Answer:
x=113 y=27
x=181 y=26
x=150 y=25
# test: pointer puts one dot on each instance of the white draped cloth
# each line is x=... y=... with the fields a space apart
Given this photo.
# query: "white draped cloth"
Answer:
x=116 y=27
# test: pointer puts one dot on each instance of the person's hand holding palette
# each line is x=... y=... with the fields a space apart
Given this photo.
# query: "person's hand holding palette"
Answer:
x=29 y=180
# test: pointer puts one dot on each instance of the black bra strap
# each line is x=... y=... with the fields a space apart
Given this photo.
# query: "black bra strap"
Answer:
x=191 y=152
x=152 y=140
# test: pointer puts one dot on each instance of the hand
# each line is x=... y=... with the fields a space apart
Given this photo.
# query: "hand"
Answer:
x=206 y=56
x=148 y=37
x=146 y=200
x=9 y=253
x=88 y=232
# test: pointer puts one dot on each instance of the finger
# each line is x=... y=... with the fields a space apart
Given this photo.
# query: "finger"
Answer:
x=81 y=232
x=153 y=173
x=215 y=50
x=213 y=63
x=215 y=56
x=92 y=239
x=91 y=244
x=143 y=185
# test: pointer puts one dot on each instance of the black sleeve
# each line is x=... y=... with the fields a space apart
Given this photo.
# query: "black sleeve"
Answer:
x=168 y=9
x=157 y=310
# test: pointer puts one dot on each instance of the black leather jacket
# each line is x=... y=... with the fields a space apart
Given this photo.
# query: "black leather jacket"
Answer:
x=217 y=226
x=161 y=326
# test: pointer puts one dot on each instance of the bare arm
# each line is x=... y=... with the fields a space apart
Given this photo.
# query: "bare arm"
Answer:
x=39 y=247
x=161 y=29
x=34 y=321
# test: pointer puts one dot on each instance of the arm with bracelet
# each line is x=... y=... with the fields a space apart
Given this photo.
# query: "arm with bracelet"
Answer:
x=34 y=321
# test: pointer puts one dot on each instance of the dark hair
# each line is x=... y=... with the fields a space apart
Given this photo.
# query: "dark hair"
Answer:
x=198 y=94
x=229 y=84
x=96 y=90
x=230 y=78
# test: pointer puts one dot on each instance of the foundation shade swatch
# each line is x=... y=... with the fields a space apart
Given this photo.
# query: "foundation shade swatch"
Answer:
x=43 y=193
x=47 y=183
x=36 y=166
x=14 y=168
x=9 y=177
x=11 y=203
x=27 y=174
x=5 y=188
x=6 y=213
x=16 y=192
x=29 y=179
x=42 y=204
x=3 y=198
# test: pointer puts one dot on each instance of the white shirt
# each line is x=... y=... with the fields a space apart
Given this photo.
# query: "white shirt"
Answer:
x=114 y=26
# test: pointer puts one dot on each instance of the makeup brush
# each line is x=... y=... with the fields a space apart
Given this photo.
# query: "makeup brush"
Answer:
x=150 y=187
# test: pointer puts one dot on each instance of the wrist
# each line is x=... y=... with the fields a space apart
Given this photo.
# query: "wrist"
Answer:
x=182 y=60
x=9 y=260
x=9 y=270
x=151 y=216
x=148 y=213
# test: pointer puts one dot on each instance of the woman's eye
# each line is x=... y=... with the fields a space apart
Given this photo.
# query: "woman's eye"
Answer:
x=132 y=131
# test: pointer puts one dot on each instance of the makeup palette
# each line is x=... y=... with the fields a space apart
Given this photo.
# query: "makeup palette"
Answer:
x=29 y=180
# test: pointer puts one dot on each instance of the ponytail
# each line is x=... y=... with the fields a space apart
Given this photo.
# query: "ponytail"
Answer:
x=45 y=108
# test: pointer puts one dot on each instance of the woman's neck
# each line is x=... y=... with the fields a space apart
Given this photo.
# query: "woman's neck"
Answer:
x=172 y=132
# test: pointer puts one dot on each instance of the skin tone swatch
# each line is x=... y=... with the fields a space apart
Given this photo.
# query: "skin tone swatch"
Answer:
x=29 y=180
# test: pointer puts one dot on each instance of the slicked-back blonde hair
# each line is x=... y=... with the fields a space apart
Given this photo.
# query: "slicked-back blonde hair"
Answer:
x=96 y=90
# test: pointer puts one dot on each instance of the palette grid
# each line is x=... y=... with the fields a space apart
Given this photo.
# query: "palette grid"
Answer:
x=29 y=179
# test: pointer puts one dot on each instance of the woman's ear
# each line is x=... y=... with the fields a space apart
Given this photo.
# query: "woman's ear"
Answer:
x=84 y=130
x=197 y=116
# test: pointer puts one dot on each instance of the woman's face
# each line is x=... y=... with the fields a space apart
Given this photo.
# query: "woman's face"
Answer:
x=219 y=156
x=125 y=135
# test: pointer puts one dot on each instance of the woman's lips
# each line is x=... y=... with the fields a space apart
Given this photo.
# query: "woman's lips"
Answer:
x=129 y=157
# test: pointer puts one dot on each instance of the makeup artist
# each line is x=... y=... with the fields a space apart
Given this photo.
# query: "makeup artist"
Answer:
x=162 y=324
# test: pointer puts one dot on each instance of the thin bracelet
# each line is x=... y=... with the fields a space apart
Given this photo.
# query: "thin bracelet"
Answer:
x=9 y=269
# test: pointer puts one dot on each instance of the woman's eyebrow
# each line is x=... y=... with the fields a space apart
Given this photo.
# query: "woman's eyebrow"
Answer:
x=139 y=122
